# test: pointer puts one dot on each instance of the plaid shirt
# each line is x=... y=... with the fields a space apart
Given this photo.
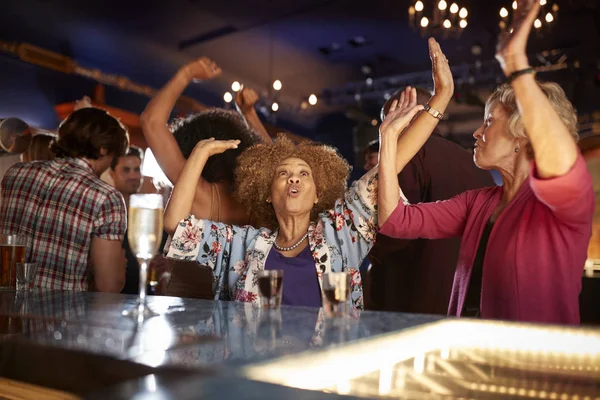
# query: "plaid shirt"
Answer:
x=60 y=205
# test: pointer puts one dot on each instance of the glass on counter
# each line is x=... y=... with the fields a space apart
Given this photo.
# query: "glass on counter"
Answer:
x=12 y=251
x=270 y=288
x=336 y=294
x=144 y=232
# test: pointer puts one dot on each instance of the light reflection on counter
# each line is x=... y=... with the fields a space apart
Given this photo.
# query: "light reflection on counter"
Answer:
x=451 y=359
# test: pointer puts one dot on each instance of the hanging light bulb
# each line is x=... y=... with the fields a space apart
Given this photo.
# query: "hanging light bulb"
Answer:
x=312 y=99
x=442 y=5
x=235 y=86
x=419 y=6
x=424 y=22
x=454 y=8
x=543 y=2
x=463 y=13
x=549 y=17
x=514 y=5
x=277 y=85
x=227 y=97
x=274 y=107
x=537 y=23
x=463 y=23
x=503 y=12
x=447 y=24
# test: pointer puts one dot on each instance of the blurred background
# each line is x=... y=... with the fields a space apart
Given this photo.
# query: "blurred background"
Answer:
x=323 y=68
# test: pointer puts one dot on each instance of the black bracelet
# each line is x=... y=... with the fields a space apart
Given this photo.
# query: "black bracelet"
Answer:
x=520 y=72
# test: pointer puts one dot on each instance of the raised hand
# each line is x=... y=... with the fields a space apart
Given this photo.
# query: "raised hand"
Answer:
x=511 y=49
x=84 y=102
x=401 y=113
x=210 y=147
x=202 y=69
x=443 y=82
x=245 y=99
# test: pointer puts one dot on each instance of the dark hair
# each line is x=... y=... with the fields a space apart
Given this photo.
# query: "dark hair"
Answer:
x=371 y=147
x=85 y=131
x=222 y=125
x=134 y=151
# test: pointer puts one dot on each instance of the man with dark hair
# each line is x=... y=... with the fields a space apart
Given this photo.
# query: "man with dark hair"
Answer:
x=74 y=222
x=126 y=172
x=416 y=275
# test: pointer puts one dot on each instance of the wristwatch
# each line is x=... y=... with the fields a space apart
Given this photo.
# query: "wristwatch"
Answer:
x=434 y=113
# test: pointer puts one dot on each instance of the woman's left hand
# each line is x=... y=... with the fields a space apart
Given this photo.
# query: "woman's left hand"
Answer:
x=401 y=112
x=210 y=147
x=511 y=50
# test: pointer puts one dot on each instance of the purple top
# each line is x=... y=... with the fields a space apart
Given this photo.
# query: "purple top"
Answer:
x=300 y=283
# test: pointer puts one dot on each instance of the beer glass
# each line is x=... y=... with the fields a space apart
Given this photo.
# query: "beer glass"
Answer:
x=12 y=251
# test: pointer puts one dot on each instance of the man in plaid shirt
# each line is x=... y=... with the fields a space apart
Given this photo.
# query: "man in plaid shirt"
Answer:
x=74 y=222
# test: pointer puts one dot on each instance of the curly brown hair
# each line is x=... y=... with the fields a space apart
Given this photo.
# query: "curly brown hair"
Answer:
x=256 y=167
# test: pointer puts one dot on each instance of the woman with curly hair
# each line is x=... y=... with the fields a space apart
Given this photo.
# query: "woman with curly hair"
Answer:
x=312 y=225
x=214 y=189
x=524 y=243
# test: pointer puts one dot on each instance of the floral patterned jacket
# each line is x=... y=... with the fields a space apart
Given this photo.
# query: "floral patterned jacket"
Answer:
x=339 y=241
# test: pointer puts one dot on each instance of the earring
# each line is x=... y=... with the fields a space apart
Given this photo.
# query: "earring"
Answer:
x=517 y=149
x=316 y=201
x=268 y=201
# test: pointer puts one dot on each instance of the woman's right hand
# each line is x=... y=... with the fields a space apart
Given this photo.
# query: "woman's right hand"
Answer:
x=202 y=69
x=401 y=112
x=210 y=147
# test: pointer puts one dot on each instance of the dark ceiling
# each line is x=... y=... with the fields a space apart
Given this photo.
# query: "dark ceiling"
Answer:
x=257 y=41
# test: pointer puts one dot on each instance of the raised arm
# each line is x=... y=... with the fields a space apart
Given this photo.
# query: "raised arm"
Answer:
x=156 y=115
x=554 y=148
x=182 y=198
x=417 y=133
x=399 y=116
x=245 y=100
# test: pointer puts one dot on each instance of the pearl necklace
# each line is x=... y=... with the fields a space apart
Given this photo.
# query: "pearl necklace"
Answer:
x=302 y=239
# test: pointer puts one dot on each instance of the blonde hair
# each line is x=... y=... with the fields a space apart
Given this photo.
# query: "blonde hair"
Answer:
x=39 y=148
x=505 y=95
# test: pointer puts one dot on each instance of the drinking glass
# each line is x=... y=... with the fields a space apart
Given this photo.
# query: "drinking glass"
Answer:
x=12 y=251
x=336 y=294
x=144 y=232
x=26 y=273
x=270 y=288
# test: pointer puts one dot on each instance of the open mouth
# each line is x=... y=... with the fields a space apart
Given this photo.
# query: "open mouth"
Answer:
x=293 y=190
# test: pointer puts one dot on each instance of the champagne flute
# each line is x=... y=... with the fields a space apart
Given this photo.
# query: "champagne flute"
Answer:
x=144 y=232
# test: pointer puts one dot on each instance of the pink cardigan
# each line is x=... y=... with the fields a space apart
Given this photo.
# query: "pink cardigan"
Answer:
x=537 y=248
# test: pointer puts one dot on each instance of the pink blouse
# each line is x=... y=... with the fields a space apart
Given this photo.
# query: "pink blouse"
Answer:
x=537 y=248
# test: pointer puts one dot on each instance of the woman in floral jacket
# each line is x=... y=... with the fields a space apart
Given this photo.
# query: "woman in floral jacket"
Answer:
x=312 y=225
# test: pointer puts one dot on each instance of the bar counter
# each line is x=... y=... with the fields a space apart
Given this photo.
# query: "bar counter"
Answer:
x=206 y=340
x=71 y=345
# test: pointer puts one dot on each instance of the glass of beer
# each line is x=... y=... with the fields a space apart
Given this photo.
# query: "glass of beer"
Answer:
x=12 y=251
x=144 y=232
